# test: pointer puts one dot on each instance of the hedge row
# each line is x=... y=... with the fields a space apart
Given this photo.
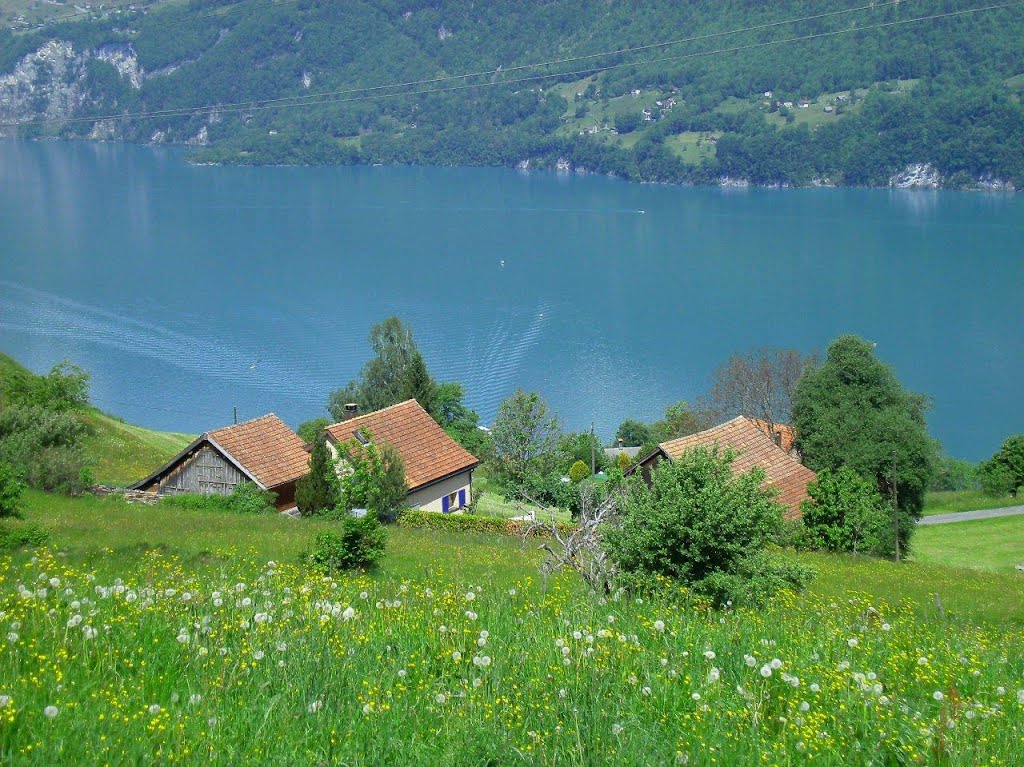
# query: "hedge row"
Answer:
x=431 y=520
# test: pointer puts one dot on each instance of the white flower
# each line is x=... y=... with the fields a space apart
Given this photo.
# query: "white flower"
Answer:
x=696 y=696
x=315 y=706
x=776 y=664
x=443 y=628
x=470 y=596
x=664 y=662
x=440 y=698
x=74 y=620
x=938 y=695
x=646 y=690
x=401 y=673
x=281 y=646
x=364 y=595
x=478 y=682
x=886 y=627
x=154 y=709
x=51 y=712
x=709 y=654
x=89 y=632
x=766 y=671
x=471 y=615
x=659 y=625
x=482 y=660
x=484 y=634
x=577 y=635
x=805 y=706
x=5 y=701
x=12 y=637
x=563 y=694
x=714 y=675
x=1020 y=697
x=611 y=619
x=194 y=698
x=750 y=660
x=258 y=655
x=481 y=642
x=511 y=592
x=852 y=641
x=182 y=638
x=349 y=614
x=922 y=661
x=456 y=656
x=617 y=729
x=367 y=709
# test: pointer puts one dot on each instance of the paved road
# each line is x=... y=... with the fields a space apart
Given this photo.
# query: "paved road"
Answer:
x=964 y=516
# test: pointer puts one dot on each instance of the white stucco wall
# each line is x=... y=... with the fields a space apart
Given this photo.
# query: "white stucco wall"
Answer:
x=429 y=498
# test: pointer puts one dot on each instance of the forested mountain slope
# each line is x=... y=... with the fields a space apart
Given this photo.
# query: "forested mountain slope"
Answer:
x=918 y=92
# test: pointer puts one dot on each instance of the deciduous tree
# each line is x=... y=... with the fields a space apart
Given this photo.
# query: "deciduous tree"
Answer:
x=525 y=437
x=852 y=411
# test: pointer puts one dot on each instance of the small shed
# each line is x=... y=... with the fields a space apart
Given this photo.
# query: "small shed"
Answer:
x=263 y=450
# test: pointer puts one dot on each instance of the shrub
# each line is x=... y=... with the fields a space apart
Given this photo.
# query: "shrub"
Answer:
x=694 y=521
x=754 y=581
x=320 y=489
x=44 y=446
x=846 y=513
x=623 y=461
x=1004 y=472
x=376 y=480
x=431 y=520
x=11 y=488
x=309 y=430
x=359 y=544
x=17 y=536
x=579 y=471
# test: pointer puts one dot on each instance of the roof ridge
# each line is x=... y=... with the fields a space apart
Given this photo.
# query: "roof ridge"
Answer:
x=376 y=412
x=243 y=423
x=705 y=431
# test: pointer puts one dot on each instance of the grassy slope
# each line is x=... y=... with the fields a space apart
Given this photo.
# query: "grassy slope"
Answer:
x=111 y=534
x=988 y=544
x=965 y=500
x=121 y=453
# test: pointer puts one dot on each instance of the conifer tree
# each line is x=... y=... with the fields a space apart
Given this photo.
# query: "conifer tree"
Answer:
x=320 y=490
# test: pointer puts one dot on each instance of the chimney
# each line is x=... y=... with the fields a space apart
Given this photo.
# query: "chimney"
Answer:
x=621 y=441
x=778 y=437
x=351 y=410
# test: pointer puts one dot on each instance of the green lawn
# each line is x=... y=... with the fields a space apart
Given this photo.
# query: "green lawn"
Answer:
x=966 y=500
x=986 y=544
x=108 y=534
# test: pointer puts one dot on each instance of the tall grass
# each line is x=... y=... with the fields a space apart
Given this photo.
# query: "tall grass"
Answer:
x=265 y=663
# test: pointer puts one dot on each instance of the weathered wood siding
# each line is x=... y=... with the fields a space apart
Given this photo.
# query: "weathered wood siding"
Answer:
x=205 y=472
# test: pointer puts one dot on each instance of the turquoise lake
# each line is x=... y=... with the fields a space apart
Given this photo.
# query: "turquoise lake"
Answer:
x=189 y=291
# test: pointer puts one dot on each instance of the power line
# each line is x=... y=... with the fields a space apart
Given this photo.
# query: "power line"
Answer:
x=329 y=96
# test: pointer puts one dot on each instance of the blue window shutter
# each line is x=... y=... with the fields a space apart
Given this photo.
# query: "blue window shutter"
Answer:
x=462 y=498
x=444 y=503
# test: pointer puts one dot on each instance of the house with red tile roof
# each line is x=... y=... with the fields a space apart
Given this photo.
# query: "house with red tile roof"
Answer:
x=753 y=447
x=264 y=451
x=438 y=470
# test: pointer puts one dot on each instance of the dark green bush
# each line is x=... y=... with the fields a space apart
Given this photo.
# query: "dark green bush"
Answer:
x=754 y=581
x=20 y=535
x=359 y=544
x=11 y=488
x=467 y=523
x=846 y=513
x=44 y=446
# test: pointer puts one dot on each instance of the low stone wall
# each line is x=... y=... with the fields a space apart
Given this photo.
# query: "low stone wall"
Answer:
x=131 y=496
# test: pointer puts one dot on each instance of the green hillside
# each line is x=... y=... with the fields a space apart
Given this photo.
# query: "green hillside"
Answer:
x=118 y=453
x=871 y=89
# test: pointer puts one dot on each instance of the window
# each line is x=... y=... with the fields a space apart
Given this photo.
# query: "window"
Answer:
x=453 y=500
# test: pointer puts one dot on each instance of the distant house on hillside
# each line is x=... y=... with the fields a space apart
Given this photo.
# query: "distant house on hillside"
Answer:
x=263 y=450
x=754 y=448
x=438 y=470
x=613 y=453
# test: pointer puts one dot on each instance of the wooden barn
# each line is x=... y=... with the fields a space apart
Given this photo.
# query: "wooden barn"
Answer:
x=263 y=450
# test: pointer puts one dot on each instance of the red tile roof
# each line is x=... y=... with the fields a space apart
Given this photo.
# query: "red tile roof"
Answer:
x=428 y=452
x=266 y=448
x=754 y=448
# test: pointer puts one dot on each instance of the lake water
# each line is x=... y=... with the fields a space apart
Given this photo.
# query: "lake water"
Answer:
x=188 y=291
